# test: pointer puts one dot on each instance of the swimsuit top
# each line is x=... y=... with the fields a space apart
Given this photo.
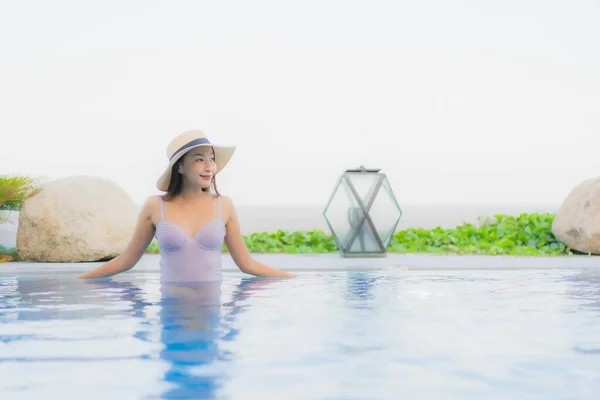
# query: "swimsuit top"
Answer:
x=190 y=259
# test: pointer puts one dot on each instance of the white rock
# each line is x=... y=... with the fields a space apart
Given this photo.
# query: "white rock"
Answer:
x=76 y=219
x=577 y=222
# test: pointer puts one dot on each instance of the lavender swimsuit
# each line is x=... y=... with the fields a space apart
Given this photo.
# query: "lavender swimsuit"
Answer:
x=190 y=259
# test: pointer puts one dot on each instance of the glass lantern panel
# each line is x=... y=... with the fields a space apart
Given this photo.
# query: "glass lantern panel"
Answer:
x=365 y=241
x=364 y=183
x=343 y=213
x=385 y=212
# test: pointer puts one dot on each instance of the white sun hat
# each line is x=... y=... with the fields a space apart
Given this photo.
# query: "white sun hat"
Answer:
x=183 y=143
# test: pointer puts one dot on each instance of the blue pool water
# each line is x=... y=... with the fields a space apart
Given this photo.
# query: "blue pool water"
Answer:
x=345 y=335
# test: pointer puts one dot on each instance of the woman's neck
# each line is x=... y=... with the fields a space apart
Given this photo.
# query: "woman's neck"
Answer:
x=194 y=193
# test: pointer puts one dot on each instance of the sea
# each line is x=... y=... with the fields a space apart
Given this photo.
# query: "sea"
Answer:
x=269 y=218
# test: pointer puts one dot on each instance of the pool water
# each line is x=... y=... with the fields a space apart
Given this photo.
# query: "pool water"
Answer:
x=343 y=335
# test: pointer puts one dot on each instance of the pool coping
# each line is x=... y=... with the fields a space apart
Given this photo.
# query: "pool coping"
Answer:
x=333 y=262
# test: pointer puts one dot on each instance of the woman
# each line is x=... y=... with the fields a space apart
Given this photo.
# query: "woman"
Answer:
x=191 y=221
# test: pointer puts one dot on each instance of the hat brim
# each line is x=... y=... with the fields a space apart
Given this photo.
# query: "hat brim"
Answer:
x=223 y=154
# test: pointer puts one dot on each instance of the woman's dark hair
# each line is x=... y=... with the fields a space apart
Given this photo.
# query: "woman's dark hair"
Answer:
x=176 y=182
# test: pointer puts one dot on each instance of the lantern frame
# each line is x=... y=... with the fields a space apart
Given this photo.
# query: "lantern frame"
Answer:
x=359 y=219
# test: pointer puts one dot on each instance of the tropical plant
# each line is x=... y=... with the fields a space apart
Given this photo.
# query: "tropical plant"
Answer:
x=8 y=254
x=15 y=189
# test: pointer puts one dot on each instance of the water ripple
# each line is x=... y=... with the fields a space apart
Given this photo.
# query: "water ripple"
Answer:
x=467 y=334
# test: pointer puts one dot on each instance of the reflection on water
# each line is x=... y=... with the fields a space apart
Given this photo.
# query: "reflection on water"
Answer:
x=470 y=335
x=585 y=288
x=190 y=318
x=360 y=285
x=192 y=324
x=187 y=321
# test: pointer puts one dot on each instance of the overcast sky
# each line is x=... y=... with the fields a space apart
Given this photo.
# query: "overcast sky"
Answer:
x=457 y=101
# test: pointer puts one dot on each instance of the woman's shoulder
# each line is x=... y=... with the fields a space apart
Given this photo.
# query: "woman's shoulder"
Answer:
x=151 y=204
x=226 y=201
x=153 y=200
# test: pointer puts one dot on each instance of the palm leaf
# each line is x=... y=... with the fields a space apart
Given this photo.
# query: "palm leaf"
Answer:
x=14 y=190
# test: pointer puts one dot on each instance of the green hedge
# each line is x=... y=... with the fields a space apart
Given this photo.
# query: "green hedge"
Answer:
x=525 y=234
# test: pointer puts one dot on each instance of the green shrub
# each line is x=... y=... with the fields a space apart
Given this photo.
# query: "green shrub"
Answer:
x=14 y=190
x=8 y=253
x=524 y=235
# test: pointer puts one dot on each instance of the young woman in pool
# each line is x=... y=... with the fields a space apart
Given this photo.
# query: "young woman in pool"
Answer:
x=191 y=221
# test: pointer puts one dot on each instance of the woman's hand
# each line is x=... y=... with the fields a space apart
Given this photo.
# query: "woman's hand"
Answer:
x=239 y=252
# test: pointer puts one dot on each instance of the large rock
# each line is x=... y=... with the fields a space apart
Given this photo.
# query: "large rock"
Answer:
x=76 y=219
x=577 y=222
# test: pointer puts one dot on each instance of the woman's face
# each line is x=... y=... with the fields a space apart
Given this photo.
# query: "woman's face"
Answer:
x=198 y=166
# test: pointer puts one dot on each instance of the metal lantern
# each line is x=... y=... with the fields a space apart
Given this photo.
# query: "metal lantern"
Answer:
x=362 y=213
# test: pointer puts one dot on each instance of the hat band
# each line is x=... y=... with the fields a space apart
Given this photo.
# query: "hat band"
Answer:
x=193 y=143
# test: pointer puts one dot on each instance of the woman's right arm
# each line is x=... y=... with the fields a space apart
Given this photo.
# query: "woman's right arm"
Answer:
x=139 y=242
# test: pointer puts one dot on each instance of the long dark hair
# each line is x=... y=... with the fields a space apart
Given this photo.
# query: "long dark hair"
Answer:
x=176 y=182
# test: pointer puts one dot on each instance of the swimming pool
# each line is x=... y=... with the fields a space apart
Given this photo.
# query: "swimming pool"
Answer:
x=346 y=335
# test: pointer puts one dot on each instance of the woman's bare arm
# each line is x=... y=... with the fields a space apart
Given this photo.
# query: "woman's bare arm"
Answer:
x=239 y=252
x=141 y=239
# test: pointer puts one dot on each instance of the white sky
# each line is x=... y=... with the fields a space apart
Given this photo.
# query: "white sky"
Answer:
x=457 y=101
